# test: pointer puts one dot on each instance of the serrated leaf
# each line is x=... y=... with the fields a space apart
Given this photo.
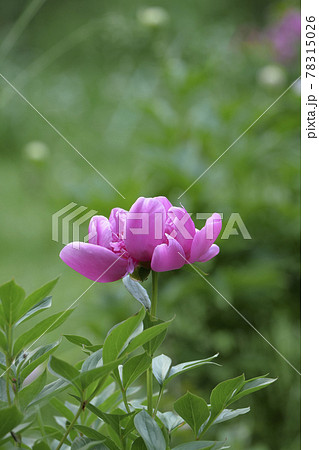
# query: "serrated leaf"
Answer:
x=184 y=367
x=193 y=410
x=170 y=420
x=37 y=296
x=250 y=386
x=202 y=445
x=27 y=394
x=78 y=340
x=11 y=296
x=160 y=367
x=36 y=309
x=137 y=291
x=45 y=326
x=146 y=336
x=118 y=336
x=35 y=358
x=10 y=417
x=149 y=431
x=135 y=367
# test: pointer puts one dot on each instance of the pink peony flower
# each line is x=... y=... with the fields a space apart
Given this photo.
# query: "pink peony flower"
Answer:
x=153 y=234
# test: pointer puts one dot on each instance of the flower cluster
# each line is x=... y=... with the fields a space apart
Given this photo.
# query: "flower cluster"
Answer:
x=152 y=234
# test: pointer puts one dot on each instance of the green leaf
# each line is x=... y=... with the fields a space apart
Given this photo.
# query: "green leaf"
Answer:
x=35 y=358
x=137 y=291
x=134 y=367
x=90 y=432
x=170 y=420
x=3 y=391
x=152 y=345
x=82 y=443
x=89 y=376
x=62 y=408
x=160 y=366
x=222 y=394
x=146 y=336
x=41 y=306
x=193 y=410
x=184 y=367
x=37 y=296
x=118 y=336
x=95 y=435
x=27 y=394
x=65 y=371
x=202 y=445
x=149 y=431
x=138 y=444
x=40 y=445
x=47 y=325
x=10 y=417
x=93 y=360
x=228 y=414
x=11 y=296
x=250 y=386
x=3 y=341
x=77 y=340
x=49 y=390
x=114 y=420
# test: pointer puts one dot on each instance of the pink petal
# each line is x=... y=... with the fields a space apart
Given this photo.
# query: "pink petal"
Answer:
x=94 y=262
x=144 y=228
x=100 y=231
x=169 y=256
x=117 y=220
x=183 y=228
x=211 y=252
x=205 y=237
x=165 y=202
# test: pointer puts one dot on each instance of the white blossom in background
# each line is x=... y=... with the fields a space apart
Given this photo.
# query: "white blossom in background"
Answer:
x=36 y=151
x=153 y=17
x=271 y=76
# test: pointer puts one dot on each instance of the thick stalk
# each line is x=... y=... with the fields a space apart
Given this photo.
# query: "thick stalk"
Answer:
x=77 y=415
x=149 y=373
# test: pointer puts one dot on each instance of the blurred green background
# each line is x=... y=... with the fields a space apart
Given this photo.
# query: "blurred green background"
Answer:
x=151 y=97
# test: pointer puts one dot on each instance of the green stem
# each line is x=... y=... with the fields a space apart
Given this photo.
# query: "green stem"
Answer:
x=77 y=415
x=154 y=293
x=8 y=361
x=149 y=373
x=125 y=400
x=158 y=400
x=41 y=425
x=149 y=383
